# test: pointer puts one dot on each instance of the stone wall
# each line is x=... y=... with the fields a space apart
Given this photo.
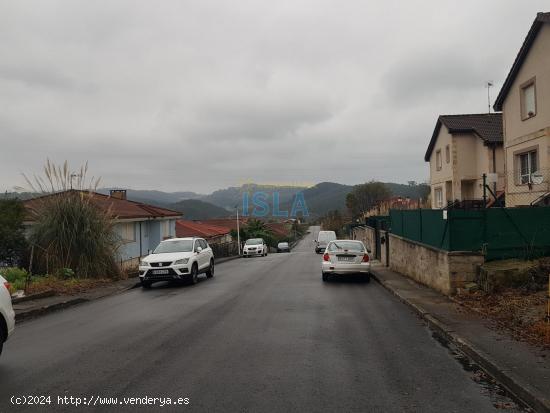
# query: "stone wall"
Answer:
x=441 y=270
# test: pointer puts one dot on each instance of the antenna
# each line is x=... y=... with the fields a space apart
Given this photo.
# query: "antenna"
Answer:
x=489 y=85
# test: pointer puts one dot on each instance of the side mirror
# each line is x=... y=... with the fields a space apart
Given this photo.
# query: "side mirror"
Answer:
x=369 y=250
x=199 y=249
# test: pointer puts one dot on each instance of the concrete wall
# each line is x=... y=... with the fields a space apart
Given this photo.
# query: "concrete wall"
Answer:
x=441 y=270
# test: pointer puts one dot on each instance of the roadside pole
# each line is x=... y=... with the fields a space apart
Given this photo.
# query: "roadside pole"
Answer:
x=238 y=233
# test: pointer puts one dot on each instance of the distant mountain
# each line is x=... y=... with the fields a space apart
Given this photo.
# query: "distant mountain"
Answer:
x=153 y=197
x=230 y=197
x=324 y=197
x=193 y=209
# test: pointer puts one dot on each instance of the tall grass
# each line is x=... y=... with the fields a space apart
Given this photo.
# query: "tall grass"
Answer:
x=69 y=230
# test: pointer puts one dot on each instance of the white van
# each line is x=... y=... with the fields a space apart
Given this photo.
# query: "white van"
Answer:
x=323 y=238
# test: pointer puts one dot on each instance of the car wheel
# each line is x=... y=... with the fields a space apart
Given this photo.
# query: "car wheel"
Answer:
x=210 y=272
x=367 y=278
x=194 y=276
x=325 y=277
x=146 y=284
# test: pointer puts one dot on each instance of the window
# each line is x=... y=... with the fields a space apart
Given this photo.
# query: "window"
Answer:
x=127 y=232
x=438 y=195
x=527 y=165
x=528 y=100
x=448 y=153
x=438 y=159
x=165 y=229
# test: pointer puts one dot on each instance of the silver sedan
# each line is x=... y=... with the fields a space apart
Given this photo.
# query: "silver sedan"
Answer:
x=343 y=257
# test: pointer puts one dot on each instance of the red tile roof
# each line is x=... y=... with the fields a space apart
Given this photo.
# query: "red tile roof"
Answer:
x=198 y=229
x=230 y=223
x=119 y=208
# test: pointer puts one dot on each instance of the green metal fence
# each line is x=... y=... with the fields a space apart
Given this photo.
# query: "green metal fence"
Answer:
x=498 y=232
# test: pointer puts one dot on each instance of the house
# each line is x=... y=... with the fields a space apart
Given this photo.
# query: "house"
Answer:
x=397 y=202
x=461 y=150
x=141 y=227
x=525 y=103
x=230 y=222
x=214 y=234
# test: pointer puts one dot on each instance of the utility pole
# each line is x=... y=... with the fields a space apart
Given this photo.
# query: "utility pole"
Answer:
x=238 y=232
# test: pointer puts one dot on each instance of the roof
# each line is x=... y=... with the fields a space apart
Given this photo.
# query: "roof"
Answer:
x=230 y=222
x=488 y=126
x=119 y=208
x=281 y=229
x=540 y=20
x=198 y=229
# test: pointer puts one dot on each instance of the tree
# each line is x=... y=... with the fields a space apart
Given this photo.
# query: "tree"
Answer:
x=366 y=196
x=12 y=236
x=333 y=221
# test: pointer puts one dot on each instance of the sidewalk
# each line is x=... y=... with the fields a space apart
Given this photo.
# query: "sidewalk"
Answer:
x=521 y=368
x=32 y=308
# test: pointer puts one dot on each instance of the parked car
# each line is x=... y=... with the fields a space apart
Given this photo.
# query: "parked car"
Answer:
x=7 y=316
x=177 y=259
x=343 y=257
x=283 y=247
x=255 y=246
x=323 y=238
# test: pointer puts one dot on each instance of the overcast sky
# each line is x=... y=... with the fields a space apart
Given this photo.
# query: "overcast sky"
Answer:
x=200 y=95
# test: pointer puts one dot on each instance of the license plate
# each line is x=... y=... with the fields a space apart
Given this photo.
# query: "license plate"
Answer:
x=160 y=272
x=346 y=259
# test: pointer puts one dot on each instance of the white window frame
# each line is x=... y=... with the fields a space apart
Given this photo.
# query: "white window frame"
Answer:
x=438 y=197
x=525 y=108
x=524 y=176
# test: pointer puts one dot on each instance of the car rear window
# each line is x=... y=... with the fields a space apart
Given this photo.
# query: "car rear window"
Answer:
x=346 y=246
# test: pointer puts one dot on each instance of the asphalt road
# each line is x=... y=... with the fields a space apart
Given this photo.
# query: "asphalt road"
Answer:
x=265 y=334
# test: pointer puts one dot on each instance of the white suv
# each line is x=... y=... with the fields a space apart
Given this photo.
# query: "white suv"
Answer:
x=177 y=259
x=7 y=316
x=255 y=246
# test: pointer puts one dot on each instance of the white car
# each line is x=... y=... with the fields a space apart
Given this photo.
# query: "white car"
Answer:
x=177 y=259
x=343 y=257
x=323 y=238
x=7 y=316
x=255 y=246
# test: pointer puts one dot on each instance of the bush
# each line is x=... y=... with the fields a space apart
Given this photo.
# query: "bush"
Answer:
x=17 y=277
x=12 y=237
x=70 y=231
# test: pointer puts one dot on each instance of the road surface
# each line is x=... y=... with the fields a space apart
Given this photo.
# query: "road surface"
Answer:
x=264 y=335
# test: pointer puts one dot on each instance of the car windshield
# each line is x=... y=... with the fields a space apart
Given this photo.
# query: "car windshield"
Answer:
x=346 y=246
x=174 y=246
x=254 y=241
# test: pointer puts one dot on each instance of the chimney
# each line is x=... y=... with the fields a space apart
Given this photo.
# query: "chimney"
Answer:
x=118 y=193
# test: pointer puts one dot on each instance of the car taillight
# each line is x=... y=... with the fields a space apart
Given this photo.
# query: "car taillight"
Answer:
x=366 y=258
x=326 y=257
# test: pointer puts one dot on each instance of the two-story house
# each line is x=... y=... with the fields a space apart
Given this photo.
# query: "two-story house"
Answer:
x=461 y=150
x=525 y=103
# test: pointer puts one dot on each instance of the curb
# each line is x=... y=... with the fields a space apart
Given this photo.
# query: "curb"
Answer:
x=48 y=309
x=523 y=391
x=35 y=312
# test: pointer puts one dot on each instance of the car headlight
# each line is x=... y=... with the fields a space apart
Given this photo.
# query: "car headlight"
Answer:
x=143 y=264
x=182 y=261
